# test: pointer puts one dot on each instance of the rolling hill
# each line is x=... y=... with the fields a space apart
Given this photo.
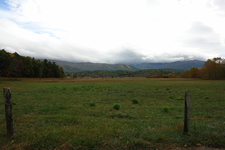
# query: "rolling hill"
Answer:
x=74 y=67
x=182 y=65
x=87 y=66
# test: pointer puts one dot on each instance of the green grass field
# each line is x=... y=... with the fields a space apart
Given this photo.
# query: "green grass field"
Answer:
x=81 y=114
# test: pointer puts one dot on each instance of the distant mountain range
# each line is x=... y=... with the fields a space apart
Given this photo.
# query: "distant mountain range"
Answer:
x=182 y=65
x=75 y=67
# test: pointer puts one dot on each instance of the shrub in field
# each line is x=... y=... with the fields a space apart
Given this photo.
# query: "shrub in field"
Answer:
x=165 y=109
x=206 y=97
x=116 y=106
x=135 y=101
x=92 y=104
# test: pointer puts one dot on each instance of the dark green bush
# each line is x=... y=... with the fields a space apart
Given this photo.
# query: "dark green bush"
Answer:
x=92 y=104
x=165 y=109
x=135 y=101
x=116 y=106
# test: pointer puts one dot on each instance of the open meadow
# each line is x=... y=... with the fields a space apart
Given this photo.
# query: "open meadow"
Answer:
x=119 y=113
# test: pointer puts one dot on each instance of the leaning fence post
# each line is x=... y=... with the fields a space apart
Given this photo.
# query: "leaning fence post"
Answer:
x=8 y=113
x=186 y=111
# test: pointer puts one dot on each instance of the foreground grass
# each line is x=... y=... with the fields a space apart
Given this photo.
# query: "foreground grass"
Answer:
x=81 y=115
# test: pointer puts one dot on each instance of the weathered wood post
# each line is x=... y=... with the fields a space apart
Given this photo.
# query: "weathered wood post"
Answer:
x=8 y=113
x=186 y=111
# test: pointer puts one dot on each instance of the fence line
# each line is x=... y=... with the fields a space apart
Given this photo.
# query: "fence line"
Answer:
x=156 y=96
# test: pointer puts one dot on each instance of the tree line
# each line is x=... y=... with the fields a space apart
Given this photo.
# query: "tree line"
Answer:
x=213 y=69
x=149 y=73
x=14 y=65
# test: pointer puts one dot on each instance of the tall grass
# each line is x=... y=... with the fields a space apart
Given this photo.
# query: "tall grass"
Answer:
x=54 y=115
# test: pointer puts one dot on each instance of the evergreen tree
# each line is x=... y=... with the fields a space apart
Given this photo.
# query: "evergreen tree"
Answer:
x=14 y=65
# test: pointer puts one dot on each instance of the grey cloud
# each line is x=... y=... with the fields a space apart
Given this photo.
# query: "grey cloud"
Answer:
x=172 y=57
x=220 y=3
x=218 y=6
x=203 y=38
x=204 y=42
x=200 y=28
x=31 y=44
x=126 y=55
x=27 y=43
x=132 y=56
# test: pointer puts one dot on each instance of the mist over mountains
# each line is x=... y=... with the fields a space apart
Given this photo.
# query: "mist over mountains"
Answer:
x=87 y=66
x=182 y=65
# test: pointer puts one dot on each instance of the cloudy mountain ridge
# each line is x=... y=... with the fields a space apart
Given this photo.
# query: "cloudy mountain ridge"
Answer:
x=182 y=65
x=87 y=66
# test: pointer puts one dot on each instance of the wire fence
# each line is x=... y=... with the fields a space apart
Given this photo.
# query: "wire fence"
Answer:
x=200 y=104
x=62 y=107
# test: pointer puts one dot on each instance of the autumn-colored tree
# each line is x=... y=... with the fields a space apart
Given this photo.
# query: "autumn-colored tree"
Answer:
x=214 y=68
x=186 y=74
x=195 y=73
x=171 y=75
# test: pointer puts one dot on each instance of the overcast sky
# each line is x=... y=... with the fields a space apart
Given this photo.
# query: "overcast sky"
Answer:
x=114 y=31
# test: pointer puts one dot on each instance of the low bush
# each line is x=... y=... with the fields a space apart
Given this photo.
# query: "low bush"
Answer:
x=165 y=109
x=92 y=104
x=135 y=101
x=116 y=106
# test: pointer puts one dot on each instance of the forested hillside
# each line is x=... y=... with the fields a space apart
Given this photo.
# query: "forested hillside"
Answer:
x=87 y=66
x=14 y=65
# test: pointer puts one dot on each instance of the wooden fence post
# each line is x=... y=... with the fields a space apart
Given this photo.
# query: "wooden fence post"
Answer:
x=8 y=113
x=186 y=111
